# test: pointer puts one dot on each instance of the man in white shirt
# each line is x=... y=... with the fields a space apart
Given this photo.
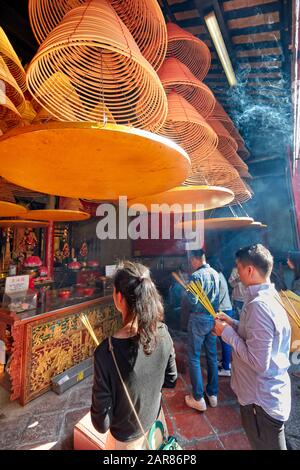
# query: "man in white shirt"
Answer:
x=260 y=344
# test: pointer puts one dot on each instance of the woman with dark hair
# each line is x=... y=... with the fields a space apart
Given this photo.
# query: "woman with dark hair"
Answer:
x=144 y=354
x=293 y=263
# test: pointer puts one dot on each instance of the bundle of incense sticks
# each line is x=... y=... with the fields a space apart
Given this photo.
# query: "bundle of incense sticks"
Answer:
x=196 y=289
x=89 y=327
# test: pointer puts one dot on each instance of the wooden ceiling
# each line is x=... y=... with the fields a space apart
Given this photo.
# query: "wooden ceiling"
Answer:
x=257 y=34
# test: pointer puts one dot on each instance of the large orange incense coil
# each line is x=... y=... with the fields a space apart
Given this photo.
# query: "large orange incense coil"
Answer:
x=8 y=84
x=241 y=191
x=215 y=170
x=188 y=128
x=243 y=151
x=9 y=115
x=145 y=21
x=92 y=161
x=57 y=215
x=9 y=209
x=227 y=146
x=143 y=18
x=12 y=60
x=220 y=114
x=219 y=223
x=97 y=53
x=27 y=112
x=190 y=50
x=209 y=197
x=175 y=76
x=6 y=193
x=60 y=94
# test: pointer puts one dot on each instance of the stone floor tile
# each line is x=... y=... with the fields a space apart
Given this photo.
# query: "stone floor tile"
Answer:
x=235 y=441
x=43 y=428
x=223 y=419
x=192 y=425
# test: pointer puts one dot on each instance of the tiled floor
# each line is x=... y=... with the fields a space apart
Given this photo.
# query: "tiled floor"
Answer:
x=48 y=421
x=216 y=428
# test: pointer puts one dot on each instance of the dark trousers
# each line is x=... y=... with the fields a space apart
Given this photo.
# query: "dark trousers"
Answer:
x=263 y=431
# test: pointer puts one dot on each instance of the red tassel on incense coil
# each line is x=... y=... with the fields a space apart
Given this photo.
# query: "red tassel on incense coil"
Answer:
x=12 y=61
x=101 y=60
x=143 y=18
x=190 y=50
x=188 y=128
x=8 y=84
x=175 y=76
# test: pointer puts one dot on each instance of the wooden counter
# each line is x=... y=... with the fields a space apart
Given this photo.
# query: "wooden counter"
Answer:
x=49 y=340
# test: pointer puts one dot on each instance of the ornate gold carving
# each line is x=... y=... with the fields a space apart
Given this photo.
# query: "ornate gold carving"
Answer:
x=57 y=344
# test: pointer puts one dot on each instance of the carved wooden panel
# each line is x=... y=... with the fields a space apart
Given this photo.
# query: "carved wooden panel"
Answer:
x=55 y=344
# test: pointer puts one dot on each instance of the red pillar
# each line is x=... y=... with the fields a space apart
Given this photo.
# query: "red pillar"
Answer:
x=50 y=249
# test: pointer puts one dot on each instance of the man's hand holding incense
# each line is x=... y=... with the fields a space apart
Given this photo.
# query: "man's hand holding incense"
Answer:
x=226 y=318
x=219 y=327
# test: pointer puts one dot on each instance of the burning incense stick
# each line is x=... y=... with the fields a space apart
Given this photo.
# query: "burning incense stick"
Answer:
x=84 y=319
x=197 y=290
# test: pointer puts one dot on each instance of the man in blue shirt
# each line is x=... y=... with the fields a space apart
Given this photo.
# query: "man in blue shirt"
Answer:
x=200 y=334
x=260 y=343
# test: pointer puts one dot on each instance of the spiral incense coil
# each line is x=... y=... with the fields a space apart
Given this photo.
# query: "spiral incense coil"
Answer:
x=145 y=21
x=27 y=112
x=9 y=85
x=190 y=50
x=241 y=191
x=188 y=128
x=6 y=193
x=12 y=60
x=59 y=93
x=243 y=151
x=226 y=144
x=215 y=170
x=70 y=204
x=175 y=76
x=100 y=58
x=220 y=114
x=239 y=164
x=9 y=115
x=143 y=18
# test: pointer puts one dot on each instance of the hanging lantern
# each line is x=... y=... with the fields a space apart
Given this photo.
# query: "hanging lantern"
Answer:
x=187 y=127
x=176 y=76
x=190 y=50
x=100 y=58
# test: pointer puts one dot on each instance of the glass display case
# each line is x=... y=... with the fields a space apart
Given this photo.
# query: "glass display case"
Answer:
x=20 y=301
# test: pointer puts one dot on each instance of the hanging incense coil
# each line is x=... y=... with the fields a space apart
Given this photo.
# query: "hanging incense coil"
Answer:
x=143 y=18
x=12 y=60
x=9 y=85
x=70 y=204
x=190 y=50
x=243 y=151
x=188 y=128
x=227 y=146
x=27 y=112
x=215 y=170
x=145 y=21
x=220 y=114
x=6 y=193
x=101 y=60
x=241 y=191
x=60 y=94
x=9 y=115
x=175 y=76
